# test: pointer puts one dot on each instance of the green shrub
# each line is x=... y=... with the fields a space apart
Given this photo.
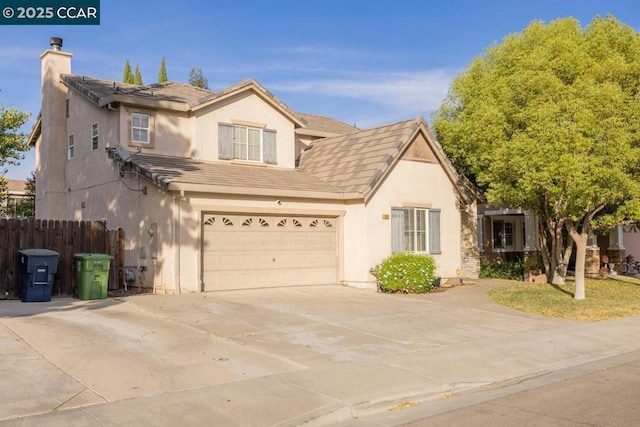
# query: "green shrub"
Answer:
x=406 y=273
x=501 y=270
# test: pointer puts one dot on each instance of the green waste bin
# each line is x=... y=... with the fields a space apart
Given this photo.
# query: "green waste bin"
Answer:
x=92 y=275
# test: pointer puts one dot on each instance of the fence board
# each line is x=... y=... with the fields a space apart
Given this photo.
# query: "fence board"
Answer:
x=65 y=237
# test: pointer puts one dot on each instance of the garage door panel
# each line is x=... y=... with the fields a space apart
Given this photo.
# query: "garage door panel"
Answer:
x=244 y=251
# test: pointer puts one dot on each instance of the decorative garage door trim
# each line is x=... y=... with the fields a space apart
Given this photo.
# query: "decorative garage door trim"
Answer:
x=251 y=250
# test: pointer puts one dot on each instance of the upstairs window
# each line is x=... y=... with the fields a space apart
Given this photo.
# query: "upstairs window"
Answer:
x=246 y=143
x=415 y=230
x=94 y=136
x=70 y=147
x=140 y=128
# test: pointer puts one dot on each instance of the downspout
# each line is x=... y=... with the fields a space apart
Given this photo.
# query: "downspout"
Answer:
x=176 y=239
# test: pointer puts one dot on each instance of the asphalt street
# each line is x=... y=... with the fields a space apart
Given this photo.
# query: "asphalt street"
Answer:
x=602 y=393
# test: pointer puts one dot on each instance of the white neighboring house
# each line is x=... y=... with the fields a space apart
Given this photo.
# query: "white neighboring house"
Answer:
x=233 y=189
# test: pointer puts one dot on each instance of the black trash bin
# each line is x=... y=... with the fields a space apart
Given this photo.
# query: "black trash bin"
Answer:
x=38 y=267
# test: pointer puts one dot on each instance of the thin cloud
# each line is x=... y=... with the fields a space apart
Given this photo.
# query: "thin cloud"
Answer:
x=399 y=91
x=9 y=53
x=324 y=51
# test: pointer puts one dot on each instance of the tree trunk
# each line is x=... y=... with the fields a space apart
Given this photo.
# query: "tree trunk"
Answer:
x=581 y=256
x=555 y=254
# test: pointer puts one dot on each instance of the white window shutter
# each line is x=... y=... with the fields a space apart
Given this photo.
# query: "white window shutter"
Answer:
x=434 y=232
x=225 y=141
x=397 y=230
x=269 y=152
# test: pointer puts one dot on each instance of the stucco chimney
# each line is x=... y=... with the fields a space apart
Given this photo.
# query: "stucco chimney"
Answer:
x=51 y=150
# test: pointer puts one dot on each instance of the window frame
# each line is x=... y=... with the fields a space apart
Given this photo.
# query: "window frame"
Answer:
x=417 y=230
x=500 y=235
x=95 y=136
x=70 y=147
x=150 y=129
x=230 y=138
x=246 y=144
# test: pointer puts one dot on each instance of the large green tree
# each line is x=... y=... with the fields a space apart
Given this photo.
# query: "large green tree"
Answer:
x=549 y=121
x=12 y=140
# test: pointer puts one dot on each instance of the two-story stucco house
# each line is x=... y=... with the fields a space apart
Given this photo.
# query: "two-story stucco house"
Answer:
x=232 y=189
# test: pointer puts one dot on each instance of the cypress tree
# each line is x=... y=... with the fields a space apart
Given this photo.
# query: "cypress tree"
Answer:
x=162 y=74
x=127 y=75
x=137 y=78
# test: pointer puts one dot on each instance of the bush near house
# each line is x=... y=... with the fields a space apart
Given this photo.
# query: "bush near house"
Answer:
x=406 y=273
x=501 y=270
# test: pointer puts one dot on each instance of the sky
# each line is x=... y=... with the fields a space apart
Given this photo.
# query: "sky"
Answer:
x=364 y=62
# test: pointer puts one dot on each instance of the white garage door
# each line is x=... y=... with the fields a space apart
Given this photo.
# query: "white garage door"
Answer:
x=253 y=251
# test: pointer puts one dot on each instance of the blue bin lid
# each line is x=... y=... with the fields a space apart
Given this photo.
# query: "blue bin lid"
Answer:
x=38 y=252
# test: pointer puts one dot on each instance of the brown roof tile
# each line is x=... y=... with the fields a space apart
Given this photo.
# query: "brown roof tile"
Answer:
x=325 y=124
x=167 y=169
x=354 y=162
x=16 y=186
x=95 y=89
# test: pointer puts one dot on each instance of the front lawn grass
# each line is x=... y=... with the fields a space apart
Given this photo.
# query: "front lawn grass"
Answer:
x=605 y=299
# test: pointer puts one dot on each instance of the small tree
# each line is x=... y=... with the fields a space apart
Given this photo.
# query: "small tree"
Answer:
x=127 y=75
x=12 y=141
x=4 y=197
x=162 y=74
x=137 y=77
x=197 y=79
x=27 y=207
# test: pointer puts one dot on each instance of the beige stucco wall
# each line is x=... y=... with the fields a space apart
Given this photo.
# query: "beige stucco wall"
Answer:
x=93 y=190
x=416 y=184
x=172 y=132
x=51 y=147
x=246 y=106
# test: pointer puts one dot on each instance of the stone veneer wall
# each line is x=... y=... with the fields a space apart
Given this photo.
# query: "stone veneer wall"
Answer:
x=470 y=256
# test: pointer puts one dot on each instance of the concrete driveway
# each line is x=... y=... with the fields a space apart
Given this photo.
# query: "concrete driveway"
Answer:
x=285 y=356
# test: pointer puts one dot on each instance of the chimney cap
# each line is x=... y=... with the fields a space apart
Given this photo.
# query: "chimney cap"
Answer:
x=56 y=43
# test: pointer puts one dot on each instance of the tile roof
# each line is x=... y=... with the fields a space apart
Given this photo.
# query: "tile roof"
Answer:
x=167 y=170
x=342 y=167
x=325 y=124
x=97 y=89
x=102 y=91
x=16 y=186
x=356 y=161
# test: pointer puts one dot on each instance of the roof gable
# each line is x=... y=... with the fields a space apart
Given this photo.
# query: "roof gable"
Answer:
x=169 y=95
x=420 y=151
x=359 y=162
x=244 y=86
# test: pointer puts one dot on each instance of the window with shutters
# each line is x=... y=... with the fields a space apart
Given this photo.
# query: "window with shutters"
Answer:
x=237 y=142
x=415 y=230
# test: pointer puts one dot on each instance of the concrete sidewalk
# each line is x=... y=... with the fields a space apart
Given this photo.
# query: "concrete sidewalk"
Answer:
x=286 y=356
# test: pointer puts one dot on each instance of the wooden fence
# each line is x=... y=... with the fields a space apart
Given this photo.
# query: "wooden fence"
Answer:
x=66 y=238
